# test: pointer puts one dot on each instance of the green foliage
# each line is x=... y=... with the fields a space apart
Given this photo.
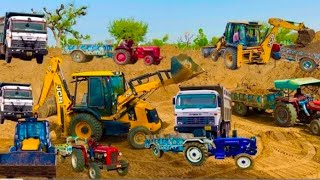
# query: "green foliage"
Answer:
x=214 y=40
x=285 y=36
x=124 y=28
x=201 y=39
x=61 y=22
x=160 y=42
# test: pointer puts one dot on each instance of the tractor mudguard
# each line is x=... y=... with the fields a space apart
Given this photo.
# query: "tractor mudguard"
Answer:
x=202 y=141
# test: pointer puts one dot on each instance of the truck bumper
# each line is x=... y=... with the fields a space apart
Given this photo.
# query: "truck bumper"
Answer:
x=14 y=116
x=27 y=52
x=190 y=129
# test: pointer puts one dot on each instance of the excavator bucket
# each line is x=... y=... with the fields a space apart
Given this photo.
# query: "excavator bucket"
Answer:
x=184 y=68
x=305 y=36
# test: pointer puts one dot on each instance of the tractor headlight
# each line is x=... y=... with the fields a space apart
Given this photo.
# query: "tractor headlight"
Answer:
x=120 y=153
x=105 y=154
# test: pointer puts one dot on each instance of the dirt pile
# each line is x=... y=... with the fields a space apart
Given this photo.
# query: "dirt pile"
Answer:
x=313 y=47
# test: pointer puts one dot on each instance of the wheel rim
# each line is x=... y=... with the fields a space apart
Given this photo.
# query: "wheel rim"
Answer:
x=147 y=60
x=155 y=151
x=229 y=58
x=240 y=109
x=139 y=137
x=315 y=128
x=120 y=171
x=77 y=57
x=83 y=130
x=121 y=57
x=194 y=154
x=92 y=172
x=244 y=162
x=74 y=161
x=307 y=65
x=282 y=115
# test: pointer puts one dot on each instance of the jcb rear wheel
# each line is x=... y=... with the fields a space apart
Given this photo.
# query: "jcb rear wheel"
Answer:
x=230 y=58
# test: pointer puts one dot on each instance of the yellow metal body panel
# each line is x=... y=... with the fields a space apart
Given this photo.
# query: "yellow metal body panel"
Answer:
x=97 y=73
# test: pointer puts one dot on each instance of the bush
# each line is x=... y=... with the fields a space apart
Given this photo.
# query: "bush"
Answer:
x=201 y=39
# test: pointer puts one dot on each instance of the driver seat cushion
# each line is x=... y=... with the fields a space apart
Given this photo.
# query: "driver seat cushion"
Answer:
x=30 y=144
x=314 y=105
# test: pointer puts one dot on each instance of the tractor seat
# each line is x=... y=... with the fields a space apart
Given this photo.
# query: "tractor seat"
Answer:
x=314 y=105
x=30 y=144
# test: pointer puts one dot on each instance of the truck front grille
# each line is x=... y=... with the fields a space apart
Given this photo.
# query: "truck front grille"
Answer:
x=195 y=120
x=29 y=44
x=114 y=157
x=11 y=108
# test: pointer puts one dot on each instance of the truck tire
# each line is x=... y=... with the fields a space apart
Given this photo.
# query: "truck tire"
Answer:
x=123 y=171
x=122 y=57
x=240 y=109
x=77 y=160
x=89 y=58
x=230 y=58
x=214 y=55
x=78 y=56
x=148 y=60
x=195 y=153
x=244 y=161
x=39 y=59
x=307 y=65
x=84 y=125
x=315 y=127
x=8 y=57
x=49 y=108
x=137 y=135
x=156 y=151
x=94 y=171
x=285 y=114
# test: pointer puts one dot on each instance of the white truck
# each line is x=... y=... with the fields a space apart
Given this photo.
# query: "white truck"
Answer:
x=203 y=107
x=15 y=101
x=23 y=36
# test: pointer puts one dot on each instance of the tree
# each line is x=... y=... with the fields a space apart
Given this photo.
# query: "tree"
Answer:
x=124 y=28
x=160 y=42
x=214 y=40
x=185 y=41
x=201 y=39
x=62 y=20
x=283 y=36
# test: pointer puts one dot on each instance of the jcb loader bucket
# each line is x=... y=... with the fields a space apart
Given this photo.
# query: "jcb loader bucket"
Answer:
x=183 y=68
x=305 y=36
x=28 y=164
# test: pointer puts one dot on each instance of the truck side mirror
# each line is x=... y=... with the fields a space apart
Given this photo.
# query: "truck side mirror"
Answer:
x=173 y=100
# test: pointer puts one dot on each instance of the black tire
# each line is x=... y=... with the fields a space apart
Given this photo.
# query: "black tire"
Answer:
x=88 y=125
x=244 y=161
x=259 y=111
x=240 y=109
x=315 y=127
x=285 y=115
x=307 y=65
x=156 y=151
x=230 y=58
x=190 y=153
x=123 y=171
x=89 y=58
x=214 y=55
x=125 y=57
x=77 y=160
x=39 y=59
x=49 y=108
x=148 y=60
x=94 y=171
x=78 y=56
x=135 y=136
x=8 y=57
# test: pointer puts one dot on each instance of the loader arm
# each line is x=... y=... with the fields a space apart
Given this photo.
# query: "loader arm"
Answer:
x=54 y=78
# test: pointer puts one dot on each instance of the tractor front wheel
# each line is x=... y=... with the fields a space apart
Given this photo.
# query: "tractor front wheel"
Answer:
x=195 y=153
x=244 y=161
x=137 y=136
x=122 y=57
x=315 y=127
x=123 y=171
x=285 y=114
x=148 y=60
x=94 y=171
x=77 y=160
x=230 y=58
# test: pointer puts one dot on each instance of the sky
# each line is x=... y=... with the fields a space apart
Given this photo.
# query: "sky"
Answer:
x=175 y=17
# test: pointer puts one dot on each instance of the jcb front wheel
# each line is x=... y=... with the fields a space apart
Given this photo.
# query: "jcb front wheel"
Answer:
x=137 y=136
x=230 y=58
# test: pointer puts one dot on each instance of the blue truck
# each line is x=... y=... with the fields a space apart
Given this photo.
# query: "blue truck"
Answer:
x=86 y=52
x=32 y=153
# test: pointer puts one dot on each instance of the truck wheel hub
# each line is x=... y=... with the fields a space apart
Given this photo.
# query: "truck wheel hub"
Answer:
x=194 y=154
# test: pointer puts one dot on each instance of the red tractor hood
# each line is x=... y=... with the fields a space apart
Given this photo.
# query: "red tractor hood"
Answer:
x=104 y=149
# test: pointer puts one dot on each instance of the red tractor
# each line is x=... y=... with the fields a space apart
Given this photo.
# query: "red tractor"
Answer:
x=125 y=55
x=96 y=157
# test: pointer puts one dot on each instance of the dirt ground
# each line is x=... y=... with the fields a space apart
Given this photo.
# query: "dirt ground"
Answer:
x=282 y=152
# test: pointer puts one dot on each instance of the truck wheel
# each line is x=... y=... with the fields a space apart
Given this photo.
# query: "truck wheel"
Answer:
x=148 y=60
x=77 y=160
x=156 y=151
x=137 y=135
x=315 y=127
x=78 y=56
x=94 y=171
x=8 y=57
x=39 y=59
x=308 y=65
x=244 y=161
x=84 y=125
x=195 y=153
x=214 y=55
x=241 y=109
x=230 y=58
x=285 y=114
x=48 y=108
x=123 y=171
x=89 y=58
x=122 y=57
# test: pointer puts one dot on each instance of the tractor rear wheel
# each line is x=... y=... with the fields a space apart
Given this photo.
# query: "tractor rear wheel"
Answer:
x=285 y=114
x=122 y=57
x=315 y=127
x=195 y=153
x=123 y=171
x=244 y=161
x=307 y=65
x=148 y=60
x=230 y=58
x=78 y=56
x=94 y=171
x=84 y=125
x=77 y=160
x=137 y=135
x=241 y=109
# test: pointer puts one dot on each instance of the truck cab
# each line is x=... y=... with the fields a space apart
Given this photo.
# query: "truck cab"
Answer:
x=23 y=36
x=15 y=101
x=203 y=107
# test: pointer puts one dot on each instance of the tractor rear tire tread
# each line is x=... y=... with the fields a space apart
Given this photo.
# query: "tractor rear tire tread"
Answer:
x=292 y=114
x=203 y=150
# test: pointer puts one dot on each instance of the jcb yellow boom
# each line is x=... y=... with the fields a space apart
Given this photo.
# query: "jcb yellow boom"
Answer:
x=109 y=105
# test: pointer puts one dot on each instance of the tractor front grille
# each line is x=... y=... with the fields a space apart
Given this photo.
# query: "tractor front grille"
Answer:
x=114 y=157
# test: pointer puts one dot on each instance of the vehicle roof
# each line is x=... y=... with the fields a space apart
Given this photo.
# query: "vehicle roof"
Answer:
x=198 y=92
x=9 y=14
x=293 y=84
x=97 y=73
x=14 y=84
x=246 y=22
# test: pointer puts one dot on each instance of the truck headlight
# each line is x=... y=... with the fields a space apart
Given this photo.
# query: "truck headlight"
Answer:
x=120 y=153
x=211 y=122
x=105 y=154
x=180 y=123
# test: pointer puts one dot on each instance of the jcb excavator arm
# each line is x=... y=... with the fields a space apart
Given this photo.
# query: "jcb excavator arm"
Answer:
x=63 y=100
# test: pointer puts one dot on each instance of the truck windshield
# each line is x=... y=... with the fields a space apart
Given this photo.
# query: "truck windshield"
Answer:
x=24 y=26
x=196 y=101
x=17 y=94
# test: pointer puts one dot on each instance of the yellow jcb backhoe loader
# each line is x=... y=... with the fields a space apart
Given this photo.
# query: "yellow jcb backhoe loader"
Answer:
x=109 y=105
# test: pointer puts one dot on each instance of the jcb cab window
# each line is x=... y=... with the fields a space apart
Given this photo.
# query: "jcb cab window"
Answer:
x=96 y=98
